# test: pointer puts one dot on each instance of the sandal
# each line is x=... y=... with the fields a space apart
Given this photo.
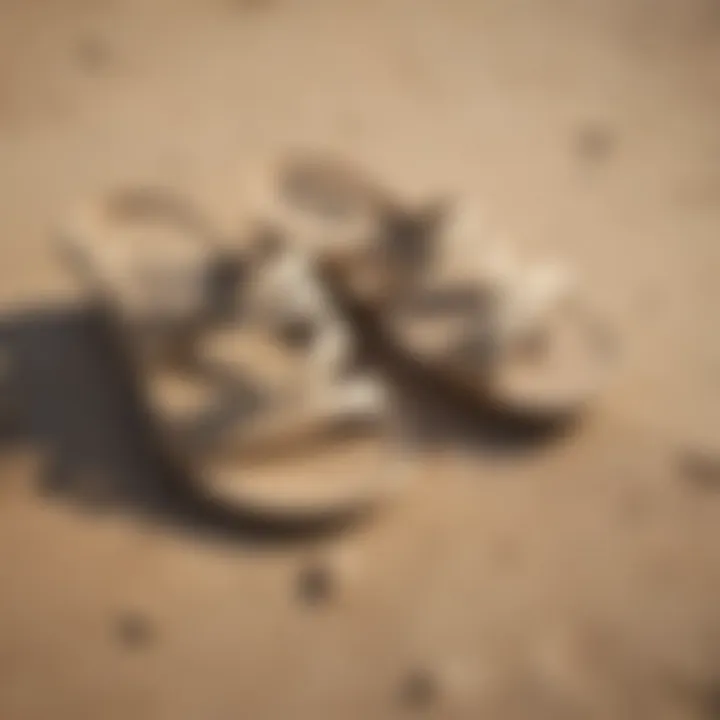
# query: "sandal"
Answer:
x=515 y=336
x=244 y=363
x=524 y=341
x=373 y=243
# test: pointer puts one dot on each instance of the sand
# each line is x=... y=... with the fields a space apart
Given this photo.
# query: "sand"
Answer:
x=578 y=578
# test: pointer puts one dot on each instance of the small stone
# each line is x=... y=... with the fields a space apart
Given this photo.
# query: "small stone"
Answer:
x=419 y=689
x=316 y=583
x=134 y=629
x=594 y=142
x=92 y=53
x=330 y=573
x=702 y=468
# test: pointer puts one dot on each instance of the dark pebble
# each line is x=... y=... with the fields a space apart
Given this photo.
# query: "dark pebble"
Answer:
x=92 y=53
x=419 y=689
x=594 y=142
x=701 y=468
x=315 y=584
x=134 y=630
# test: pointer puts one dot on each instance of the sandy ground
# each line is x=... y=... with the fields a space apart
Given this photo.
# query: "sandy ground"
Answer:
x=578 y=579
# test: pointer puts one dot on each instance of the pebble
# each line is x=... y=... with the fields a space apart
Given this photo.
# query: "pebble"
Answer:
x=420 y=688
x=323 y=577
x=594 y=142
x=134 y=629
x=316 y=583
x=701 y=468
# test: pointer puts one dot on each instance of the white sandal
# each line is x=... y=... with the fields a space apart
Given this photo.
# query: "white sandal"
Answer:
x=237 y=375
x=517 y=337
x=528 y=344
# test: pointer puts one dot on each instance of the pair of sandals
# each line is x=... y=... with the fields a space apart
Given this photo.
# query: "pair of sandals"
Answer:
x=249 y=357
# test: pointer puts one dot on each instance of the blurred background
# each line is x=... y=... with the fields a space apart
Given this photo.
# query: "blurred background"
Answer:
x=578 y=580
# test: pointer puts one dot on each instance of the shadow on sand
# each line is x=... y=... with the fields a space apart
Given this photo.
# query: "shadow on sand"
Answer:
x=76 y=402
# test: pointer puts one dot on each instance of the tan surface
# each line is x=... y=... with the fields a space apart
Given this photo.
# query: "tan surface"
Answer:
x=582 y=580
